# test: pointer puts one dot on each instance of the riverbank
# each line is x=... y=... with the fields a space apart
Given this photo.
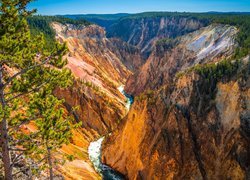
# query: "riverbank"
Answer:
x=94 y=150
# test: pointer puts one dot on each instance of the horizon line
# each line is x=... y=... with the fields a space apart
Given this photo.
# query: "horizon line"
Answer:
x=132 y=13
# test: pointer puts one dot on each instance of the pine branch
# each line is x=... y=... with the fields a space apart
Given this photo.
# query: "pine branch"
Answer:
x=17 y=150
x=28 y=92
x=25 y=70
x=22 y=123
x=15 y=160
x=25 y=140
x=21 y=171
x=19 y=142
x=26 y=168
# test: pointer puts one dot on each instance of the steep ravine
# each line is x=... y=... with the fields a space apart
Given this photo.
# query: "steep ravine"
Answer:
x=94 y=150
x=179 y=127
x=143 y=32
x=190 y=118
x=189 y=130
x=97 y=63
x=206 y=45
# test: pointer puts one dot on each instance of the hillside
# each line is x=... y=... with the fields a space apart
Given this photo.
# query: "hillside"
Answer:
x=152 y=26
x=163 y=85
x=196 y=127
x=207 y=45
x=188 y=74
x=100 y=66
x=103 y=20
x=191 y=111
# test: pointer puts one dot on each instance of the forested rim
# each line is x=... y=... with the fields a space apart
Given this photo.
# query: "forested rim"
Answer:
x=41 y=24
x=240 y=20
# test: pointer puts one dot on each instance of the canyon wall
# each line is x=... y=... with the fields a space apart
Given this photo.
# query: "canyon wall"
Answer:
x=209 y=44
x=99 y=66
x=143 y=32
x=193 y=124
x=183 y=124
x=192 y=129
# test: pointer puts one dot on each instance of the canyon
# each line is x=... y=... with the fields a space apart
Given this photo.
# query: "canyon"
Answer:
x=184 y=122
x=144 y=32
x=98 y=68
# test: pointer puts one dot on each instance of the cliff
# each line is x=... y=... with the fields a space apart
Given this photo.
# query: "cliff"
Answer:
x=97 y=65
x=143 y=32
x=195 y=128
x=191 y=113
x=190 y=118
x=209 y=44
x=182 y=125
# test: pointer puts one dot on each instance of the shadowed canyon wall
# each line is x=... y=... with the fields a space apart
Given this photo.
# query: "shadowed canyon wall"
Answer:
x=187 y=130
x=189 y=120
x=209 y=44
x=193 y=124
x=143 y=32
x=99 y=67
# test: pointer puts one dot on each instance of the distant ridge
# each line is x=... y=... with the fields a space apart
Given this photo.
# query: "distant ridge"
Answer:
x=104 y=20
x=116 y=16
x=99 y=16
x=107 y=20
x=234 y=13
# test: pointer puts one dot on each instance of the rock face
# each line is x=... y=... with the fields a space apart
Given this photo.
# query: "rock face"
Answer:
x=190 y=125
x=192 y=129
x=130 y=55
x=98 y=64
x=98 y=72
x=99 y=67
x=91 y=40
x=209 y=44
x=144 y=32
x=184 y=124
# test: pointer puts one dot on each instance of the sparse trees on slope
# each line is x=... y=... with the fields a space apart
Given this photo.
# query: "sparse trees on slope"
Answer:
x=27 y=71
x=53 y=130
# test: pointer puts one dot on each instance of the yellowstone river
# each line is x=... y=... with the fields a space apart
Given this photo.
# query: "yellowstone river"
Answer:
x=94 y=151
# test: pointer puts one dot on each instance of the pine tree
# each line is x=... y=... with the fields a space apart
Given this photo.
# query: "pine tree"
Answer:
x=27 y=70
x=53 y=130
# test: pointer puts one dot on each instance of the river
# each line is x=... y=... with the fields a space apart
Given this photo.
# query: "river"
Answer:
x=94 y=150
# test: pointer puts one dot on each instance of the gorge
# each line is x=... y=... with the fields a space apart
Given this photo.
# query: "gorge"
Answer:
x=181 y=125
x=95 y=147
x=190 y=117
x=130 y=96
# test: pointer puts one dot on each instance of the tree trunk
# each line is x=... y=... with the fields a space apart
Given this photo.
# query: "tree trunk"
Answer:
x=50 y=163
x=4 y=134
x=5 y=151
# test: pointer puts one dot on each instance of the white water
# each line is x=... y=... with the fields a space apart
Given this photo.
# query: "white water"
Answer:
x=129 y=101
x=94 y=150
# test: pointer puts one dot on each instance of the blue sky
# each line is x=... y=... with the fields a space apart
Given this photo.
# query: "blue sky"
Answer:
x=52 y=7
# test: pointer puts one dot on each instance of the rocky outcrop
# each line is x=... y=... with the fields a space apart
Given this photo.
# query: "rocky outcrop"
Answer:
x=143 y=32
x=181 y=126
x=97 y=63
x=97 y=66
x=209 y=44
x=195 y=128
x=129 y=55
x=92 y=40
